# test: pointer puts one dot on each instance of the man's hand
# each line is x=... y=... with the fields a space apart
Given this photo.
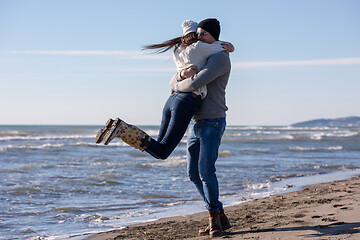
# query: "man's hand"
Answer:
x=228 y=47
x=189 y=72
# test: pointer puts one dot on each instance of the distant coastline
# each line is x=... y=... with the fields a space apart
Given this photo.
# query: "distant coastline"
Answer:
x=352 y=121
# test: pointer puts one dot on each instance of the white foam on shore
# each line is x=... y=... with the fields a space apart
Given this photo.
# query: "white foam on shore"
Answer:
x=288 y=185
x=301 y=182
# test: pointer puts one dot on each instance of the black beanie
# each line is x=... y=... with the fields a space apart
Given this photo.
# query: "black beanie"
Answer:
x=212 y=26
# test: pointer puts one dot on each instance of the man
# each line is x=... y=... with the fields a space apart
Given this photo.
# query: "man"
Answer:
x=208 y=125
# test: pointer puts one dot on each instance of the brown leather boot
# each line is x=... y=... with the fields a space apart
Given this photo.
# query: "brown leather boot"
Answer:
x=215 y=229
x=225 y=224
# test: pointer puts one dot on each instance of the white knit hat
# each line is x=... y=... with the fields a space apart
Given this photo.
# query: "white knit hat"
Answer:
x=189 y=26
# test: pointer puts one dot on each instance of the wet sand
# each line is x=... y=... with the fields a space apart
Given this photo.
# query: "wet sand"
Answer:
x=321 y=211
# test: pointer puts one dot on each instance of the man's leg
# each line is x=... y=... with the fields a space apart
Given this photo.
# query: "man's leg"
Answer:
x=193 y=150
x=210 y=132
x=218 y=221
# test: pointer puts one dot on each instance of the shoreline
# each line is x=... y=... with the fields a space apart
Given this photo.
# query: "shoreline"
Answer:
x=321 y=211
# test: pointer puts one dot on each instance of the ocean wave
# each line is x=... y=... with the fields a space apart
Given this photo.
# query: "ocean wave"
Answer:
x=158 y=196
x=226 y=153
x=245 y=128
x=171 y=204
x=14 y=133
x=68 y=210
x=45 y=137
x=169 y=162
x=93 y=144
x=97 y=217
x=255 y=150
x=27 y=168
x=337 y=134
x=9 y=147
x=139 y=213
x=19 y=191
x=5 y=148
x=260 y=136
x=336 y=167
x=280 y=177
x=291 y=135
x=109 y=175
x=313 y=128
x=257 y=186
x=313 y=149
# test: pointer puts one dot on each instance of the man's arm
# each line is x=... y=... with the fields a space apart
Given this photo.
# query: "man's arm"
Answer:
x=186 y=73
x=217 y=65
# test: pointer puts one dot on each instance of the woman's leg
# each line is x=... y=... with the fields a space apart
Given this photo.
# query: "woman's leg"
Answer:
x=183 y=106
x=165 y=119
x=133 y=135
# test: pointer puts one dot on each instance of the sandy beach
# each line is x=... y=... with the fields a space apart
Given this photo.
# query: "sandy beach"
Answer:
x=322 y=211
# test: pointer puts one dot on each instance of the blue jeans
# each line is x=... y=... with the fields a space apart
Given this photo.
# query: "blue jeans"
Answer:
x=177 y=113
x=203 y=143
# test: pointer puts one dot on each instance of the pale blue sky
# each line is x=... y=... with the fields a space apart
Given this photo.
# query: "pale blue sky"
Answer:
x=80 y=62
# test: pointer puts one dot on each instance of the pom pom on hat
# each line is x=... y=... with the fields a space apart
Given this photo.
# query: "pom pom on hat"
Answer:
x=212 y=26
x=189 y=26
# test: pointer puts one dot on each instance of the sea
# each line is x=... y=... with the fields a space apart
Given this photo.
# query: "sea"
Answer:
x=56 y=183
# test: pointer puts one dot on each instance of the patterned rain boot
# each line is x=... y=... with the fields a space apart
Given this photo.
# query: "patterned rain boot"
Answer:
x=130 y=134
x=101 y=134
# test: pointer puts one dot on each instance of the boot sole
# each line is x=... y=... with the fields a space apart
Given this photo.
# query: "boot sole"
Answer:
x=226 y=227
x=216 y=235
x=100 y=135
x=204 y=233
x=109 y=135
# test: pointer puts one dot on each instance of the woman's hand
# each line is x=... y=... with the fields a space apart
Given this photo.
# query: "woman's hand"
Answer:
x=228 y=47
x=188 y=72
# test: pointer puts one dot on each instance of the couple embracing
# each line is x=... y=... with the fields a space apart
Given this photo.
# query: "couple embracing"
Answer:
x=197 y=103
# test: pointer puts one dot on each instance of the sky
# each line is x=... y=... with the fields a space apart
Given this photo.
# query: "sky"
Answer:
x=81 y=62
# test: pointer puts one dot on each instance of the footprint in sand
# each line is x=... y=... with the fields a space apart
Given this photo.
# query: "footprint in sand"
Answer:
x=299 y=215
x=329 y=219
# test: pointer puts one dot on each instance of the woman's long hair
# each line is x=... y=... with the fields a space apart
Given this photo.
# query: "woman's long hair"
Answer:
x=187 y=40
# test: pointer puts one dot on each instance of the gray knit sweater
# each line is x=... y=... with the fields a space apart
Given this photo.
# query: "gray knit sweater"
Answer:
x=215 y=77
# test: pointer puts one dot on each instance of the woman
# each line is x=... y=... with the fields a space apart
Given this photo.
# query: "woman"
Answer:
x=180 y=106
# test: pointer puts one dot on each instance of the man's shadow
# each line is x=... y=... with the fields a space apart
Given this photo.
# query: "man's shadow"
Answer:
x=323 y=230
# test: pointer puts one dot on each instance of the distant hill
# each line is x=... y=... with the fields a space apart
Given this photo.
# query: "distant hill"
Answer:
x=337 y=122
